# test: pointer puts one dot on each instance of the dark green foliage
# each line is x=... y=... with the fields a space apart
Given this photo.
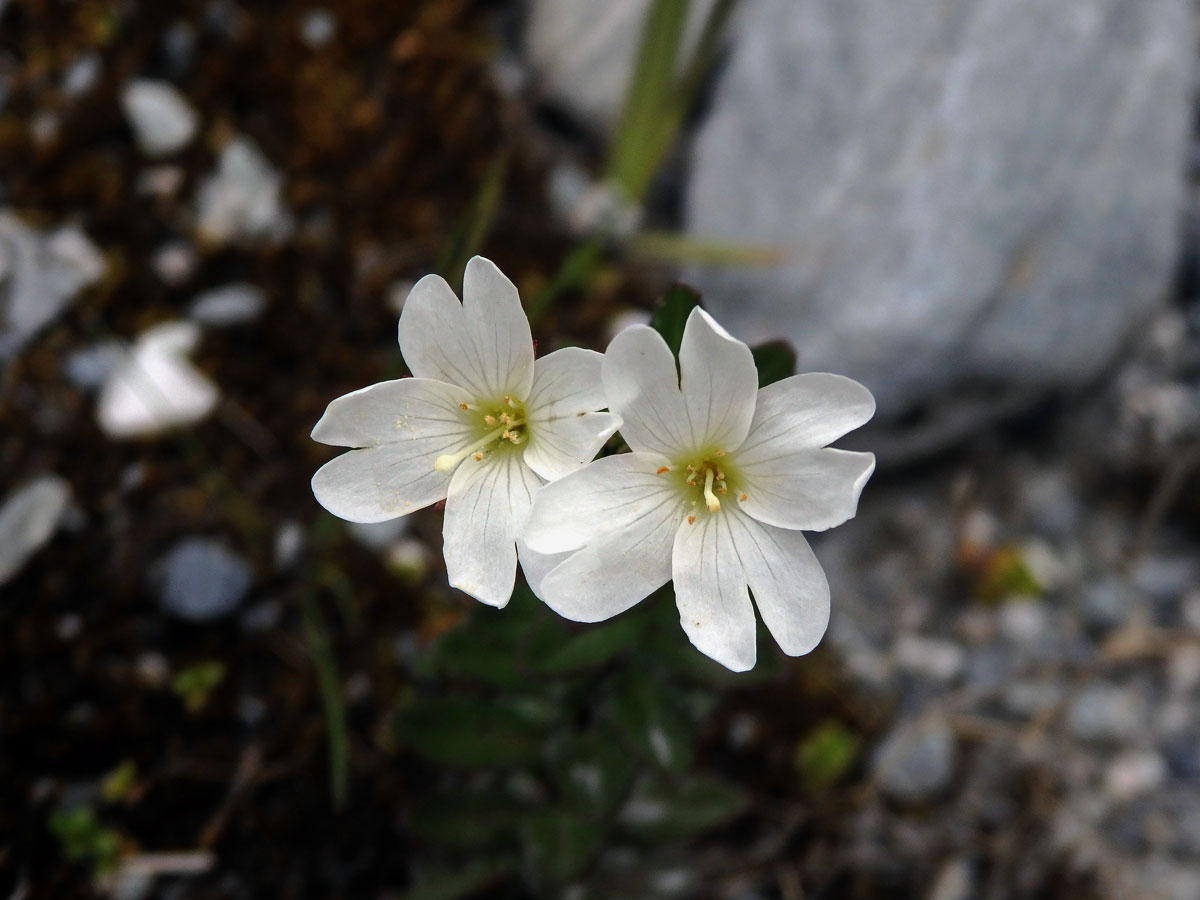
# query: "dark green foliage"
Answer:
x=671 y=314
x=776 y=360
x=554 y=743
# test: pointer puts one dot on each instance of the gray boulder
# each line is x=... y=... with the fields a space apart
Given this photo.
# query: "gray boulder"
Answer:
x=978 y=199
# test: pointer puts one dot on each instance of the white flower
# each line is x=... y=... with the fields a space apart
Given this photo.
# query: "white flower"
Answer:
x=481 y=425
x=721 y=479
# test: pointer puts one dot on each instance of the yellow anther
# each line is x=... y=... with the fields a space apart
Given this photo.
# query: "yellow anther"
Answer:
x=662 y=469
x=478 y=457
x=691 y=520
x=463 y=406
x=490 y=420
x=720 y=453
x=742 y=497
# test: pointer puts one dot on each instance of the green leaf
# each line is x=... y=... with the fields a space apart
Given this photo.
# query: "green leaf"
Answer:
x=665 y=811
x=559 y=844
x=194 y=684
x=592 y=771
x=596 y=646
x=652 y=720
x=776 y=361
x=467 y=733
x=461 y=881
x=82 y=838
x=467 y=821
x=672 y=313
x=825 y=754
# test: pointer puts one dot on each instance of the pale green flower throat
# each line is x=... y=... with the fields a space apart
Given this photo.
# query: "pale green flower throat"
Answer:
x=502 y=425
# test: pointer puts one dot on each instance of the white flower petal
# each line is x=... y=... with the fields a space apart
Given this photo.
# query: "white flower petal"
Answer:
x=416 y=411
x=483 y=345
x=812 y=489
x=719 y=382
x=557 y=447
x=565 y=383
x=615 y=571
x=380 y=483
x=642 y=387
x=487 y=503
x=501 y=328
x=788 y=583
x=804 y=411
x=615 y=495
x=537 y=566
x=710 y=591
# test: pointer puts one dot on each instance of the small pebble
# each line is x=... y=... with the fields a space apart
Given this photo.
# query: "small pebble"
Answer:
x=940 y=660
x=1105 y=712
x=317 y=28
x=29 y=517
x=81 y=75
x=1134 y=772
x=201 y=580
x=231 y=304
x=915 y=763
x=162 y=118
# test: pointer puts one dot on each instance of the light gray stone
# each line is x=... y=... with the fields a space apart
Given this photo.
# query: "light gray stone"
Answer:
x=162 y=119
x=40 y=274
x=243 y=198
x=1106 y=712
x=201 y=580
x=28 y=519
x=978 y=199
x=915 y=763
x=584 y=51
x=232 y=304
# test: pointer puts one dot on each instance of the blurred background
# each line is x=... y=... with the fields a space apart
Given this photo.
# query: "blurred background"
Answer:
x=210 y=215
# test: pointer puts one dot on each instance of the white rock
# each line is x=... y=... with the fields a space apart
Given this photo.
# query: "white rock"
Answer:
x=980 y=197
x=584 y=51
x=1133 y=773
x=243 y=198
x=81 y=75
x=162 y=119
x=156 y=387
x=317 y=28
x=40 y=274
x=28 y=519
x=232 y=304
x=937 y=659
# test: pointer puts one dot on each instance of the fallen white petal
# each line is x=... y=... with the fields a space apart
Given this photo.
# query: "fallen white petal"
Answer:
x=156 y=387
x=28 y=519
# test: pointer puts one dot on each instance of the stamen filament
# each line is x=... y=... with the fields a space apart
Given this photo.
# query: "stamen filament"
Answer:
x=448 y=461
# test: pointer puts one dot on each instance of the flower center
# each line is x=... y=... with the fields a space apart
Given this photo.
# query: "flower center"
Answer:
x=705 y=479
x=500 y=427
